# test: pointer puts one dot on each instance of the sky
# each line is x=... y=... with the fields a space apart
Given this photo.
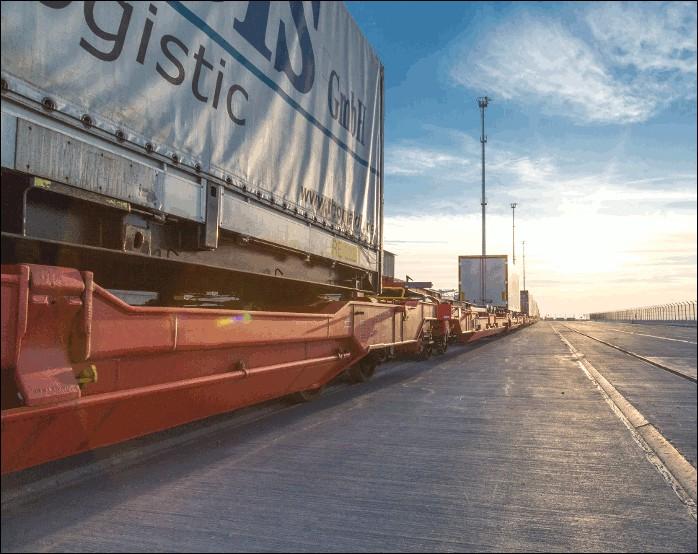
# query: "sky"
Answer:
x=591 y=130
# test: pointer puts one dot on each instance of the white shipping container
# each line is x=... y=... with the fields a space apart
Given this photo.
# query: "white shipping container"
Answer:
x=501 y=281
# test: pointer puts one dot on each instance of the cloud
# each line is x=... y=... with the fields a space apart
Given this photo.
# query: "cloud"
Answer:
x=459 y=161
x=525 y=169
x=647 y=36
x=630 y=62
x=686 y=205
x=427 y=180
x=415 y=160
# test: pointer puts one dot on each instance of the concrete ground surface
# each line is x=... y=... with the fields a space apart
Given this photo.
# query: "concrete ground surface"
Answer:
x=685 y=331
x=669 y=345
x=502 y=446
x=666 y=400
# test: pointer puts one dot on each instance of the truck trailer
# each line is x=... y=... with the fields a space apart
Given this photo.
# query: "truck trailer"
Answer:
x=529 y=306
x=494 y=275
x=174 y=147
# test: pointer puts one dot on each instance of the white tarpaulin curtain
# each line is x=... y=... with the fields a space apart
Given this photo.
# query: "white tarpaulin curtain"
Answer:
x=283 y=96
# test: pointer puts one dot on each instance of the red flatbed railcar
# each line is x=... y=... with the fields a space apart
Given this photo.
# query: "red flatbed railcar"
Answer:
x=82 y=369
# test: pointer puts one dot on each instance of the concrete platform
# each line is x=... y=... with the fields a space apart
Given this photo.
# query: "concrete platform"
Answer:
x=668 y=401
x=502 y=446
x=675 y=346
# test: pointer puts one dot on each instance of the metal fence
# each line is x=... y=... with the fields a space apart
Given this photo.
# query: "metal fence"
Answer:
x=677 y=311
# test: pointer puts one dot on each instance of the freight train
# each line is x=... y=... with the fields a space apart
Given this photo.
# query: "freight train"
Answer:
x=171 y=151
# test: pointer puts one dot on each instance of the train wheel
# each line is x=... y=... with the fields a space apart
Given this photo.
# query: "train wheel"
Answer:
x=362 y=371
x=425 y=351
x=441 y=345
x=306 y=395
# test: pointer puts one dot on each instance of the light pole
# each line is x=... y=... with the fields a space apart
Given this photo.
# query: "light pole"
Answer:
x=482 y=103
x=513 y=242
x=523 y=243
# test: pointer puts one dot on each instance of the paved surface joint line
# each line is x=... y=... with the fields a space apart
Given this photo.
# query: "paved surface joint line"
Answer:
x=670 y=463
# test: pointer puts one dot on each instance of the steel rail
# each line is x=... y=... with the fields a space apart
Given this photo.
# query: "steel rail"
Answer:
x=638 y=356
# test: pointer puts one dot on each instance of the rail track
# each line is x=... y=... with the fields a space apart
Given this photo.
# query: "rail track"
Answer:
x=645 y=359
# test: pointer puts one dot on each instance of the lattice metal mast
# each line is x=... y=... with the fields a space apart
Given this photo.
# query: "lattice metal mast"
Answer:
x=482 y=102
x=513 y=242
x=523 y=243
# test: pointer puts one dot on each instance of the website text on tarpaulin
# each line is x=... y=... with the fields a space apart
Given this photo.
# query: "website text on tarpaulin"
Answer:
x=327 y=208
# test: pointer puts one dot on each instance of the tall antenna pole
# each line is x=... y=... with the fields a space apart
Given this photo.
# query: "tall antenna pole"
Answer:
x=523 y=242
x=513 y=242
x=482 y=103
